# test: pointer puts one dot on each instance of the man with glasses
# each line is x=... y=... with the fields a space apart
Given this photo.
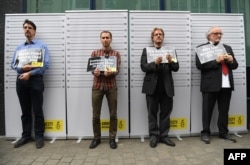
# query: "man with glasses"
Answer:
x=104 y=83
x=158 y=85
x=30 y=61
x=216 y=84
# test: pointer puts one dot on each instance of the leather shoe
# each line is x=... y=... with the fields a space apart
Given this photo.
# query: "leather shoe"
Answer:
x=112 y=144
x=167 y=141
x=21 y=142
x=95 y=143
x=205 y=138
x=153 y=143
x=227 y=137
x=39 y=143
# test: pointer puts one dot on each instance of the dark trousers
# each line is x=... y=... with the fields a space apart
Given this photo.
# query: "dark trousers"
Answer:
x=30 y=94
x=166 y=105
x=97 y=98
x=223 y=98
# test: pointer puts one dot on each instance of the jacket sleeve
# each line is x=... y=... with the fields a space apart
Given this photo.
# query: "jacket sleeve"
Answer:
x=234 y=64
x=147 y=67
x=174 y=66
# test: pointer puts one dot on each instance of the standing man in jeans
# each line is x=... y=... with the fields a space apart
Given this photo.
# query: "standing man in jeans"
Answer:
x=104 y=83
x=216 y=85
x=30 y=61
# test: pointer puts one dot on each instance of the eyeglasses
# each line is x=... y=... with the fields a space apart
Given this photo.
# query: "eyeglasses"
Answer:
x=217 y=34
x=105 y=37
x=158 y=34
x=27 y=27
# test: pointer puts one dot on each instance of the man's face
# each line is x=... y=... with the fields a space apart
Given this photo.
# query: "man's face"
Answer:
x=158 y=37
x=29 y=31
x=106 y=40
x=215 y=35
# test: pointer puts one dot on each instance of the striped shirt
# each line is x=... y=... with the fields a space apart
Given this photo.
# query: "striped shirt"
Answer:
x=102 y=82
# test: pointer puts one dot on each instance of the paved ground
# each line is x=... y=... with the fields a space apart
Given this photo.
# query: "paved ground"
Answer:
x=189 y=151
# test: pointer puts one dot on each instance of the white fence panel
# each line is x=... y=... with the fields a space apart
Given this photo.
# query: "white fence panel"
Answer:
x=233 y=35
x=50 y=30
x=176 y=26
x=83 y=36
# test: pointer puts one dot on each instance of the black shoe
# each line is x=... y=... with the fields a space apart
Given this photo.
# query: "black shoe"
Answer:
x=21 y=142
x=153 y=143
x=205 y=138
x=39 y=143
x=95 y=143
x=227 y=137
x=112 y=144
x=167 y=141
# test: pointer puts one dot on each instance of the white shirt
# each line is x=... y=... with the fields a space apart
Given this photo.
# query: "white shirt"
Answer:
x=225 y=81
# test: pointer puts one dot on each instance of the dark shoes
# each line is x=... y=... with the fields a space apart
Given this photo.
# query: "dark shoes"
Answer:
x=167 y=141
x=95 y=143
x=205 y=138
x=112 y=144
x=21 y=142
x=153 y=143
x=39 y=143
x=227 y=137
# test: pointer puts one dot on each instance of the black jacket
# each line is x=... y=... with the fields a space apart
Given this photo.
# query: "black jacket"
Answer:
x=211 y=75
x=152 y=73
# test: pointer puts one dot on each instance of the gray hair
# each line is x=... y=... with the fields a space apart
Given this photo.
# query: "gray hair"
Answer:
x=210 y=31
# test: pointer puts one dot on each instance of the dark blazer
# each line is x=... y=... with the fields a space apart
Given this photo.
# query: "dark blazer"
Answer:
x=152 y=73
x=211 y=74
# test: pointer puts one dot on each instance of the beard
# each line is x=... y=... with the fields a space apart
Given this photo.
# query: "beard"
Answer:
x=27 y=34
x=158 y=41
x=106 y=44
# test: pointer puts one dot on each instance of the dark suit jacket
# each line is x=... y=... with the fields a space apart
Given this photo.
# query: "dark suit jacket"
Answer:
x=152 y=73
x=211 y=74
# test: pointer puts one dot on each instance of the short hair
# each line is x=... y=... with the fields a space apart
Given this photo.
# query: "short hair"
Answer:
x=153 y=31
x=30 y=23
x=210 y=31
x=105 y=31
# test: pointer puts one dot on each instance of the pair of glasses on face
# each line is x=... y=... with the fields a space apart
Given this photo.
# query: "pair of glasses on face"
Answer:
x=28 y=27
x=217 y=34
x=105 y=38
x=158 y=34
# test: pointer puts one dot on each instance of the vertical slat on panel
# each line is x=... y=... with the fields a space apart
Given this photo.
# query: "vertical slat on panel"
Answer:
x=50 y=30
x=233 y=35
x=83 y=36
x=176 y=26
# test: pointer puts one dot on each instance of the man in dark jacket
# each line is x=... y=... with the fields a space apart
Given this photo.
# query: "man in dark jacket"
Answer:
x=158 y=85
x=216 y=84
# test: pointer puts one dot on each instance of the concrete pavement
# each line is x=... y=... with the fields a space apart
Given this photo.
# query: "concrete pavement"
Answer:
x=189 y=151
